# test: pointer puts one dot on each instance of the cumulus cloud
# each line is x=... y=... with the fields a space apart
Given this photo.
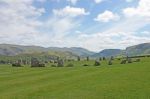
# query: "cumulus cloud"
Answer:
x=142 y=10
x=21 y=25
x=98 y=1
x=59 y=28
x=107 y=16
x=107 y=40
x=20 y=20
x=70 y=11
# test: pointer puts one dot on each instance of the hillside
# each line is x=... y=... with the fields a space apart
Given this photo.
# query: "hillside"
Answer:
x=141 y=49
x=12 y=50
x=108 y=53
x=75 y=50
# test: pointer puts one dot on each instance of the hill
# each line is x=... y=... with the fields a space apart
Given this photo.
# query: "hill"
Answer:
x=108 y=53
x=75 y=50
x=140 y=49
x=12 y=50
x=136 y=50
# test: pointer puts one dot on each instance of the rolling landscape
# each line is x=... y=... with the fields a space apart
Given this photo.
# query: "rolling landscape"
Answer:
x=90 y=77
x=74 y=49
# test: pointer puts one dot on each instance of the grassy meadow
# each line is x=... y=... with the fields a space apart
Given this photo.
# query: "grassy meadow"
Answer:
x=117 y=81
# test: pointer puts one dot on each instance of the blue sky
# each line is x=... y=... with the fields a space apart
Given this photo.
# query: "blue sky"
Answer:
x=91 y=24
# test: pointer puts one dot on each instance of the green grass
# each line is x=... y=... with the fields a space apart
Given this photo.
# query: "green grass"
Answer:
x=130 y=81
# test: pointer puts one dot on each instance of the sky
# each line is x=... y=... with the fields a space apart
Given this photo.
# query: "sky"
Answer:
x=91 y=24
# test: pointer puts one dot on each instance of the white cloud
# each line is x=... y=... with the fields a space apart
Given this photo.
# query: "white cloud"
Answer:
x=104 y=40
x=107 y=16
x=60 y=27
x=142 y=10
x=70 y=11
x=98 y=1
x=20 y=25
x=19 y=21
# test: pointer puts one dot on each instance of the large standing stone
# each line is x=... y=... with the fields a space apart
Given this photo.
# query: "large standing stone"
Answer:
x=97 y=63
x=137 y=60
x=36 y=63
x=129 y=60
x=104 y=58
x=24 y=62
x=123 y=62
x=60 y=63
x=110 y=62
x=16 y=64
x=100 y=58
x=112 y=58
x=78 y=58
x=87 y=58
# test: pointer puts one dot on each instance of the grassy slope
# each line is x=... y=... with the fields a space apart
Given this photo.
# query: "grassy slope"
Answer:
x=130 y=81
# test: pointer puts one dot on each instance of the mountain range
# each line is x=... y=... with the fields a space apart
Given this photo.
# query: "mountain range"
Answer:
x=13 y=50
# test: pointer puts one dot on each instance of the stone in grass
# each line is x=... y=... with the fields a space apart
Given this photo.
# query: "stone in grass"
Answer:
x=78 y=58
x=110 y=62
x=60 y=63
x=112 y=58
x=16 y=65
x=123 y=62
x=104 y=58
x=87 y=58
x=137 y=60
x=129 y=60
x=100 y=58
x=36 y=63
x=97 y=63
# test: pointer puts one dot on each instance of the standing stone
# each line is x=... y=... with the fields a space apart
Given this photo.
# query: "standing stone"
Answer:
x=87 y=58
x=78 y=58
x=123 y=62
x=36 y=63
x=104 y=58
x=24 y=62
x=97 y=63
x=60 y=63
x=110 y=62
x=137 y=60
x=129 y=60
x=19 y=61
x=16 y=64
x=112 y=58
x=100 y=58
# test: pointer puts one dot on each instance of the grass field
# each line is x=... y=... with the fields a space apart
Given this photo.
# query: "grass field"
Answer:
x=129 y=81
